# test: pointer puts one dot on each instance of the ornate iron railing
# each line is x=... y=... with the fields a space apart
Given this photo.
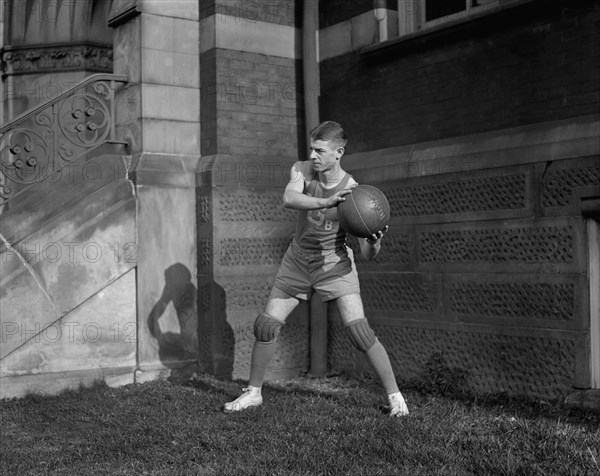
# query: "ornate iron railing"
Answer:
x=43 y=140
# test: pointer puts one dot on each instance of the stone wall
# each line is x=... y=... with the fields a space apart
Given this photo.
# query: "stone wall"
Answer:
x=484 y=136
x=158 y=114
x=486 y=267
x=251 y=135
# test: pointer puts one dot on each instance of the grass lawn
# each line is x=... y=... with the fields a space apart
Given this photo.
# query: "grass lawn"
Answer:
x=333 y=426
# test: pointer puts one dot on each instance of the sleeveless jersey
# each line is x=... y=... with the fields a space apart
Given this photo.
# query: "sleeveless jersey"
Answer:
x=319 y=230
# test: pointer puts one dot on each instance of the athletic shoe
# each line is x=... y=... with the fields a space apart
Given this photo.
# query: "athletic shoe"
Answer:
x=397 y=405
x=245 y=400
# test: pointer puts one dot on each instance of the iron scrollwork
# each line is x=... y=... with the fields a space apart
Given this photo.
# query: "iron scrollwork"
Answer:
x=44 y=141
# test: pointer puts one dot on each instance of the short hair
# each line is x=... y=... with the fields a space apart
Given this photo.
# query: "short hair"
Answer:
x=330 y=131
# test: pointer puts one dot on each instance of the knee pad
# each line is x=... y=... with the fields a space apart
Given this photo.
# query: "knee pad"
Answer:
x=266 y=328
x=361 y=334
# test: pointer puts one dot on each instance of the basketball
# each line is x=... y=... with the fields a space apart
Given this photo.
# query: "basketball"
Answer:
x=364 y=212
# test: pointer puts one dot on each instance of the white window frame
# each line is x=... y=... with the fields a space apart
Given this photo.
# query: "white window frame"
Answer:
x=411 y=14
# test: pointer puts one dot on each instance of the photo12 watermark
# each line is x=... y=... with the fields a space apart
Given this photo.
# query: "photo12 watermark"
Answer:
x=67 y=332
x=71 y=252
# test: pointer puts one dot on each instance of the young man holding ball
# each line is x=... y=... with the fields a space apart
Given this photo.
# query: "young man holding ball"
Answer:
x=318 y=259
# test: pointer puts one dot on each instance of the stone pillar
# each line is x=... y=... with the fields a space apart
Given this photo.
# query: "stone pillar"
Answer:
x=251 y=110
x=156 y=46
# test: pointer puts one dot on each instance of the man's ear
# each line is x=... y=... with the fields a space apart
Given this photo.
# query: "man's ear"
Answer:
x=340 y=151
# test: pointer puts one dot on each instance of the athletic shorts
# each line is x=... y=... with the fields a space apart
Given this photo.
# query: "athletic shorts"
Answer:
x=303 y=271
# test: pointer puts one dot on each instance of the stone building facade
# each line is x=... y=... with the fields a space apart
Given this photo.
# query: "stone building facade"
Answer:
x=482 y=129
x=480 y=123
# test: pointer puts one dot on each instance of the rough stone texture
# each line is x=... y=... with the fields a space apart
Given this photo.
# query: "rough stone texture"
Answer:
x=406 y=293
x=463 y=195
x=565 y=182
x=252 y=251
x=251 y=132
x=247 y=292
x=513 y=299
x=527 y=244
x=291 y=356
x=399 y=249
x=530 y=244
x=256 y=206
x=495 y=362
x=485 y=266
x=240 y=257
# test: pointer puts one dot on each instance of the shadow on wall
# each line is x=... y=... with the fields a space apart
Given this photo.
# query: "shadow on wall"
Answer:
x=177 y=348
x=205 y=344
x=217 y=353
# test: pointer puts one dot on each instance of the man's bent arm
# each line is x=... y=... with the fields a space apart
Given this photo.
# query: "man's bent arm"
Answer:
x=299 y=201
x=294 y=198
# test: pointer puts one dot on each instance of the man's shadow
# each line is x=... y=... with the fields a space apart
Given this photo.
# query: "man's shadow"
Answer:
x=203 y=343
x=177 y=350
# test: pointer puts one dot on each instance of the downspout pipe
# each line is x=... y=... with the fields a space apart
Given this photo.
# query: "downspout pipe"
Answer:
x=310 y=62
x=380 y=12
x=311 y=86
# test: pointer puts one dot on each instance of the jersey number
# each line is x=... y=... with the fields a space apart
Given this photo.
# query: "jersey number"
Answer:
x=317 y=218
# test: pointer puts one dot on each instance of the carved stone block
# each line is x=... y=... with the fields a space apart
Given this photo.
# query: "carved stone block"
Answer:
x=70 y=57
x=252 y=251
x=547 y=245
x=536 y=365
x=549 y=301
x=254 y=207
x=564 y=182
x=404 y=295
x=458 y=195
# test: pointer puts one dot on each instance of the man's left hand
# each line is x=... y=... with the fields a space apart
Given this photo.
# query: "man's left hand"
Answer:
x=375 y=237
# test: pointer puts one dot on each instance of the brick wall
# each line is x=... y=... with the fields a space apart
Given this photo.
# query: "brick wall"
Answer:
x=282 y=12
x=522 y=71
x=259 y=104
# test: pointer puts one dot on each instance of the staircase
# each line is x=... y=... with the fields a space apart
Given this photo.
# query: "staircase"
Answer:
x=67 y=244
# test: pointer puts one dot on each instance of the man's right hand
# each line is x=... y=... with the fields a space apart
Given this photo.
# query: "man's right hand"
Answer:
x=338 y=197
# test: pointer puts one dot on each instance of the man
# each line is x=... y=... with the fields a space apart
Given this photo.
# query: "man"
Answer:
x=318 y=259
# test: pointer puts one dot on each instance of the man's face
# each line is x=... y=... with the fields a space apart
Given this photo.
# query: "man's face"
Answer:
x=324 y=155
